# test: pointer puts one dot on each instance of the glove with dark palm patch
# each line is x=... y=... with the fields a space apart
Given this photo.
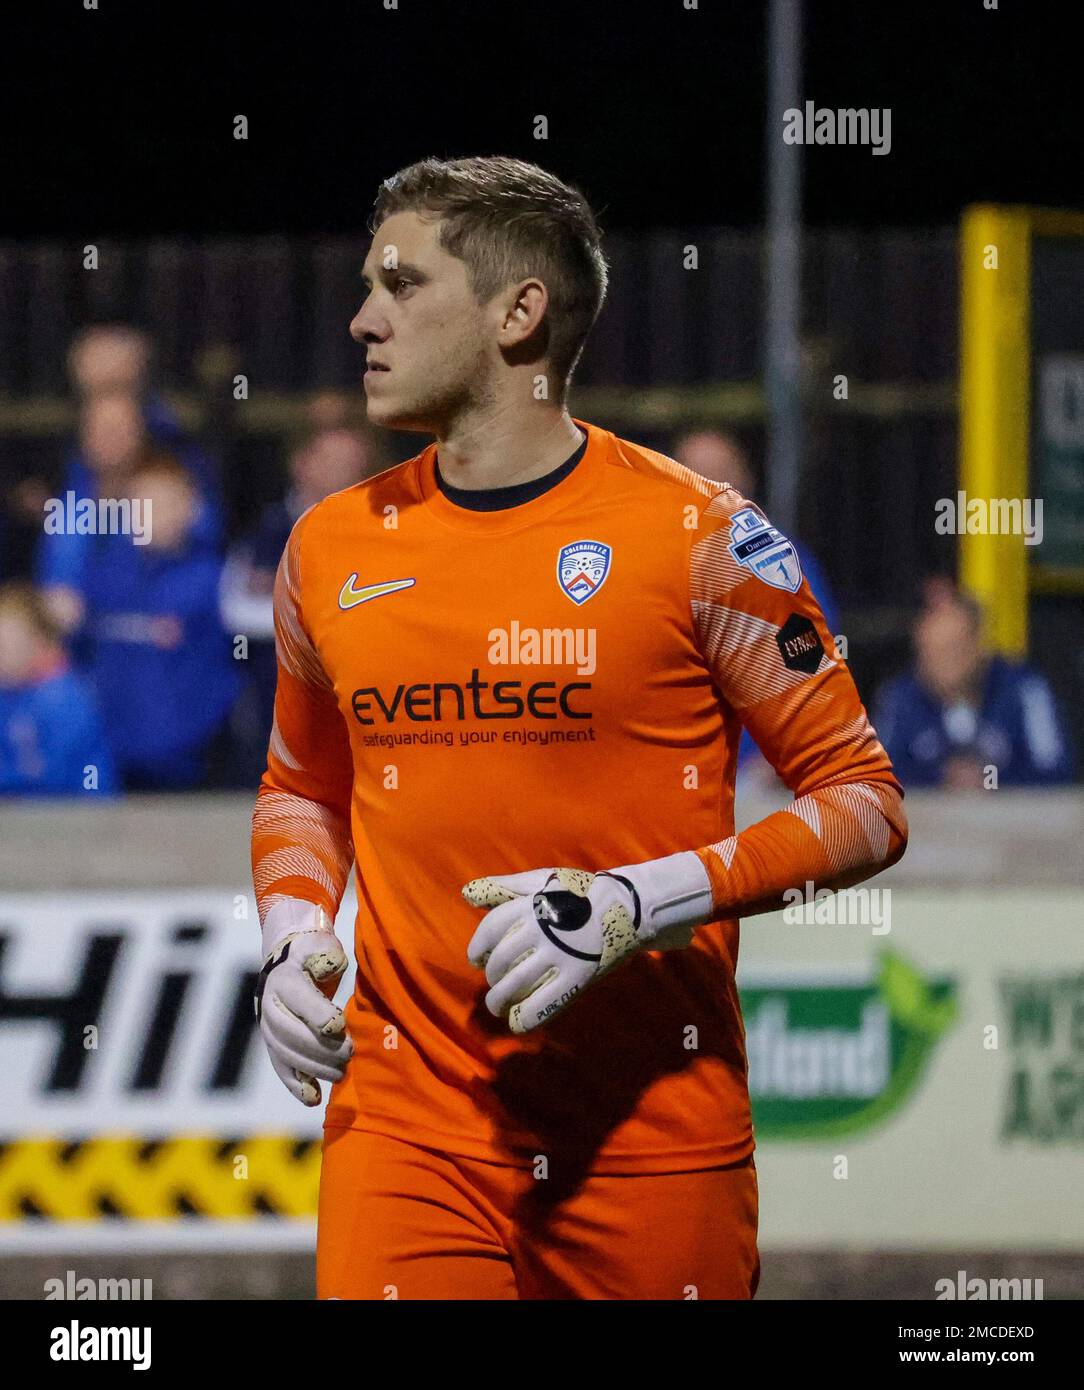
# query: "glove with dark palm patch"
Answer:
x=550 y=932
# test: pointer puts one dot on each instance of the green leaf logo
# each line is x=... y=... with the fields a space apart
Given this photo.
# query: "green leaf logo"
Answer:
x=832 y=1057
x=911 y=1001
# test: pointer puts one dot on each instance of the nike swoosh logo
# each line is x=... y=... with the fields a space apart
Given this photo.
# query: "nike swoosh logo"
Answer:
x=349 y=597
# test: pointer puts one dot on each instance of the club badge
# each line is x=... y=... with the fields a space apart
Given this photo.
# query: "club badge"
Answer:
x=582 y=569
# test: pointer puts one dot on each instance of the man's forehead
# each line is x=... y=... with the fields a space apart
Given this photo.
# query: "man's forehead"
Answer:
x=409 y=237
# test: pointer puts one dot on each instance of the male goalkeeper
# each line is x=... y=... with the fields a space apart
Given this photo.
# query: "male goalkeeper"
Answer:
x=512 y=677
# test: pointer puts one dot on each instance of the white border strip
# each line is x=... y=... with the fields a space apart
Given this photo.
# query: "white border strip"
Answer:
x=156 y=1237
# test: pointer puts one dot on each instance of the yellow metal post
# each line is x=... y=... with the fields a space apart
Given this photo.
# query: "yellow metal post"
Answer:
x=995 y=368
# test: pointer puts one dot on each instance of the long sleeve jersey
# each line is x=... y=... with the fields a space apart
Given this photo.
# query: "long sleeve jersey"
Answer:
x=557 y=683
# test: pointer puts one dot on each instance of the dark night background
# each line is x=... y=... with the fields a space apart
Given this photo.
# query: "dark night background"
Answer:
x=118 y=130
x=119 y=121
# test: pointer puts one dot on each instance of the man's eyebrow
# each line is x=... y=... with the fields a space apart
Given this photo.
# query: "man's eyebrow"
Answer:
x=403 y=268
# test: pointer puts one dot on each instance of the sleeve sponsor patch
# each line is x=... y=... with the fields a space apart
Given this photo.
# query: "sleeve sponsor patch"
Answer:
x=799 y=644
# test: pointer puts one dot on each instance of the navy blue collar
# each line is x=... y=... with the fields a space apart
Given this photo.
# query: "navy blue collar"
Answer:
x=496 y=499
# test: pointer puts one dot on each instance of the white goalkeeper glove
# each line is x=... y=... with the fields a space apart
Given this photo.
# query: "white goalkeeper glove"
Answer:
x=304 y=1032
x=550 y=932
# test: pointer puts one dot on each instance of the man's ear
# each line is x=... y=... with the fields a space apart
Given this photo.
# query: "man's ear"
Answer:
x=524 y=311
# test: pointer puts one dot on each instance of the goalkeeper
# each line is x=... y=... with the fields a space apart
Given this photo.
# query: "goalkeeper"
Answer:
x=513 y=674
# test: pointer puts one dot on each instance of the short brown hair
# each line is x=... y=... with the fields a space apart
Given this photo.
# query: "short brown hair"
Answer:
x=507 y=220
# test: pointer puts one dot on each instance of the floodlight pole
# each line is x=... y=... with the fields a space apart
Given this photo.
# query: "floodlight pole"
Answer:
x=783 y=304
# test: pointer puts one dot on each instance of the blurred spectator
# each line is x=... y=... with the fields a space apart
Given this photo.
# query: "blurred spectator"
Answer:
x=160 y=659
x=717 y=455
x=120 y=422
x=113 y=442
x=51 y=737
x=962 y=709
x=108 y=359
x=328 y=462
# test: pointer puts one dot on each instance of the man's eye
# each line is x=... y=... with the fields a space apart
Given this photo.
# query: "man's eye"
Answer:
x=403 y=284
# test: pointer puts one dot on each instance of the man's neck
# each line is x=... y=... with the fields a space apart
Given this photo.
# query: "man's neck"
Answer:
x=501 y=448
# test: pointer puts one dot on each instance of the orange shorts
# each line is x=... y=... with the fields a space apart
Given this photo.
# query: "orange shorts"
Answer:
x=401 y=1221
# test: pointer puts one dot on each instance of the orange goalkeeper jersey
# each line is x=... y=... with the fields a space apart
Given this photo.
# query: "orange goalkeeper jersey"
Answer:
x=558 y=683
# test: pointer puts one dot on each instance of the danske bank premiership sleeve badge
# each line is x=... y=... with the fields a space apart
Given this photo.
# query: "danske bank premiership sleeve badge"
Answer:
x=757 y=545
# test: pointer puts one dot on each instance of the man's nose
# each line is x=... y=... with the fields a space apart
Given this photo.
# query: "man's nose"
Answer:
x=365 y=327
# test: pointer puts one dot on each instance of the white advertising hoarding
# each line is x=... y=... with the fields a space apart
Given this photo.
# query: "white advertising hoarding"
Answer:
x=917 y=1082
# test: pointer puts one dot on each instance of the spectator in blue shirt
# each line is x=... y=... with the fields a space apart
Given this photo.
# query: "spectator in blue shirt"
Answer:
x=113 y=442
x=52 y=741
x=109 y=359
x=961 y=711
x=159 y=656
x=120 y=422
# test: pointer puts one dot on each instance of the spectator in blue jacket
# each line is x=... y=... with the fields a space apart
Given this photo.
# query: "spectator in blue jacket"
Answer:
x=52 y=741
x=113 y=443
x=109 y=359
x=109 y=368
x=159 y=656
x=961 y=711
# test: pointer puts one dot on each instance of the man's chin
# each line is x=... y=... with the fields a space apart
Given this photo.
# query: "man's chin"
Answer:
x=386 y=416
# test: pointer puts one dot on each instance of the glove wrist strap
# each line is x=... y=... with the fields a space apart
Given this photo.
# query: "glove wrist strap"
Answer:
x=291 y=917
x=674 y=891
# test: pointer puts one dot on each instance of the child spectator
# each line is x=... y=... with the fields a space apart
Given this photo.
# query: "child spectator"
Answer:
x=52 y=742
x=121 y=422
x=159 y=656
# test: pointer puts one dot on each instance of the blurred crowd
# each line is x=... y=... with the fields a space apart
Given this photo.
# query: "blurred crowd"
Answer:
x=141 y=658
